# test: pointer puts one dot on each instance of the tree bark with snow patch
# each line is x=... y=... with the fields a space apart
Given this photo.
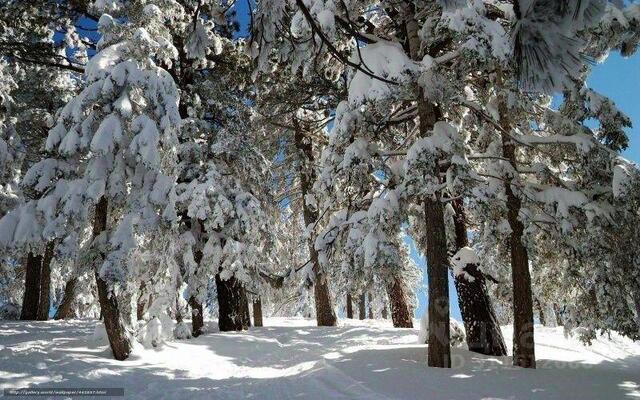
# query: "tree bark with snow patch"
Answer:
x=119 y=340
x=483 y=332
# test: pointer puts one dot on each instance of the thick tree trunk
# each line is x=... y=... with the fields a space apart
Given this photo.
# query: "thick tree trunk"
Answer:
x=45 y=283
x=257 y=312
x=480 y=321
x=325 y=314
x=233 y=307
x=361 y=307
x=439 y=351
x=349 y=306
x=64 y=309
x=523 y=336
x=31 y=297
x=118 y=338
x=400 y=314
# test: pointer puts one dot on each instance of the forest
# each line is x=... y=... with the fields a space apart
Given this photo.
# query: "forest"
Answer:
x=201 y=174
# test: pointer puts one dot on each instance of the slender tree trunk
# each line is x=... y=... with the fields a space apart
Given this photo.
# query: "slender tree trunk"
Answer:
x=523 y=336
x=257 y=312
x=385 y=315
x=31 y=297
x=325 y=314
x=400 y=314
x=480 y=321
x=541 y=314
x=233 y=308
x=349 y=306
x=370 y=306
x=45 y=283
x=142 y=305
x=118 y=338
x=361 y=307
x=64 y=309
x=559 y=322
x=439 y=351
x=197 y=311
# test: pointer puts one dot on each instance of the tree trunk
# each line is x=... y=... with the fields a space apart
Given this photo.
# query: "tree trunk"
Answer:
x=197 y=317
x=118 y=339
x=523 y=339
x=361 y=307
x=370 y=306
x=325 y=314
x=384 y=313
x=197 y=311
x=257 y=312
x=480 y=322
x=143 y=302
x=400 y=314
x=45 y=283
x=64 y=309
x=349 y=306
x=233 y=306
x=439 y=351
x=31 y=297
x=541 y=314
x=559 y=322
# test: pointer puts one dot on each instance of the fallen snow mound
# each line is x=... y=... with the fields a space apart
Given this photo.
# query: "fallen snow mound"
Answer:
x=291 y=358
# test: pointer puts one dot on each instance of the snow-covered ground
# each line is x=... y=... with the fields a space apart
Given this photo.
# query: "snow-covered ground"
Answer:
x=292 y=359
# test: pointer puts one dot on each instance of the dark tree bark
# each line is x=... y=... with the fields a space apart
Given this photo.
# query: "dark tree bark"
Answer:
x=45 y=283
x=349 y=306
x=197 y=311
x=31 y=297
x=143 y=302
x=118 y=338
x=325 y=314
x=480 y=322
x=197 y=317
x=370 y=308
x=257 y=312
x=523 y=336
x=384 y=313
x=541 y=314
x=233 y=306
x=64 y=309
x=361 y=307
x=400 y=314
x=438 y=349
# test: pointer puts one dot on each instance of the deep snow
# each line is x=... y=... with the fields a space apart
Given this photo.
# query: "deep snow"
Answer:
x=291 y=358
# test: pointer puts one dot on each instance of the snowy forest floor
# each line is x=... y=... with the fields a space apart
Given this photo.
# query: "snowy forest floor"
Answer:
x=292 y=359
